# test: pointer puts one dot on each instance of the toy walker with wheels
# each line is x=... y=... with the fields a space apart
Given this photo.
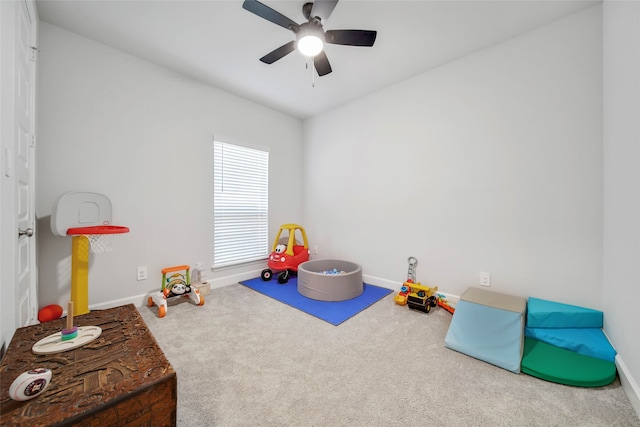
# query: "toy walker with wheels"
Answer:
x=286 y=258
x=176 y=285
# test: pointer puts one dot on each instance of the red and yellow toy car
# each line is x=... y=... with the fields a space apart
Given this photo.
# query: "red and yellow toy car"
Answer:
x=286 y=258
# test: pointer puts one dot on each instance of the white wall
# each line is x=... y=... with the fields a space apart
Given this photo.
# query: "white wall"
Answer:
x=489 y=163
x=142 y=135
x=621 y=31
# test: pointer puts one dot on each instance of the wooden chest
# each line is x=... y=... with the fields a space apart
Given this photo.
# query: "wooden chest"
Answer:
x=120 y=379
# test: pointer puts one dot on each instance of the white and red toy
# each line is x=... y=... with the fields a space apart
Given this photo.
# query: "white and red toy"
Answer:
x=175 y=285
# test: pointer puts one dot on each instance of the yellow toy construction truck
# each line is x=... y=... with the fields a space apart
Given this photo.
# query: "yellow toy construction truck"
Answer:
x=414 y=294
x=422 y=297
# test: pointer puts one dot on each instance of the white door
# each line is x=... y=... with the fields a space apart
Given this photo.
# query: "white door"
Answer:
x=18 y=258
x=25 y=73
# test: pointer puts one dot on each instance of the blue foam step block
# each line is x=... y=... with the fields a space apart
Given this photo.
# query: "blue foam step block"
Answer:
x=548 y=314
x=587 y=341
x=487 y=333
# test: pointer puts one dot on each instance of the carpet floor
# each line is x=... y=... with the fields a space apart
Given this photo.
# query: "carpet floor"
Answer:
x=244 y=359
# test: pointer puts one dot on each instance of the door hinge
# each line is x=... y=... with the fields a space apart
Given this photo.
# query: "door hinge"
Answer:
x=34 y=53
x=33 y=140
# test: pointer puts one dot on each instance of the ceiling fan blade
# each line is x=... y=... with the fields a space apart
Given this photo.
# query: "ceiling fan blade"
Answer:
x=321 y=62
x=269 y=14
x=351 y=37
x=323 y=8
x=278 y=53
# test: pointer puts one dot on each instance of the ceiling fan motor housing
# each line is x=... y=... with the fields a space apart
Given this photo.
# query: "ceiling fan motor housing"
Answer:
x=306 y=10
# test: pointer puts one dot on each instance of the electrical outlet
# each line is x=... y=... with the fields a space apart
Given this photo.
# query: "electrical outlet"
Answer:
x=142 y=273
x=315 y=249
x=485 y=278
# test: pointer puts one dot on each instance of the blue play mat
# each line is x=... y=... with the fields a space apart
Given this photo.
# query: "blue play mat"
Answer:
x=334 y=312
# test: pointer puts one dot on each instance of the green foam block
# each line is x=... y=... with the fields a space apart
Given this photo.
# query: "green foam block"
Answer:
x=558 y=365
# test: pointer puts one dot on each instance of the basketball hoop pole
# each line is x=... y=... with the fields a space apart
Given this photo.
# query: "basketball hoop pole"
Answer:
x=80 y=274
x=85 y=238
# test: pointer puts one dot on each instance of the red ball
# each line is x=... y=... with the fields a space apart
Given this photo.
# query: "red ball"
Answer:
x=49 y=313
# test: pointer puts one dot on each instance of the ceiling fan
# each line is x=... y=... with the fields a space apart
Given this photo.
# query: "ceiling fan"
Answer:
x=310 y=36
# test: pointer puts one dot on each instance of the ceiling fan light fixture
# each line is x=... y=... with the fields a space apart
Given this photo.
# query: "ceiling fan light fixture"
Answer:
x=310 y=36
x=310 y=45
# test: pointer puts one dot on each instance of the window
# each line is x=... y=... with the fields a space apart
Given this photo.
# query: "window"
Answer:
x=240 y=204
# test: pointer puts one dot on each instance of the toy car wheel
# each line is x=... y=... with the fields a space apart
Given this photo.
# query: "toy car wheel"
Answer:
x=433 y=301
x=427 y=308
x=266 y=274
x=283 y=277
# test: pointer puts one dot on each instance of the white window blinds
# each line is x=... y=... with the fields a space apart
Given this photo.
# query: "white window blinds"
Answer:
x=240 y=204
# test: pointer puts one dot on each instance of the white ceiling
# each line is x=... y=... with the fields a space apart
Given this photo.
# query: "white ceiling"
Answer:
x=218 y=42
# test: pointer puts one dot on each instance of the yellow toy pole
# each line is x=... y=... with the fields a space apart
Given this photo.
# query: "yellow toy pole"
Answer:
x=80 y=274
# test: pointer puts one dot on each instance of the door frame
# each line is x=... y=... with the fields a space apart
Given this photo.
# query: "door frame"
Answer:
x=9 y=317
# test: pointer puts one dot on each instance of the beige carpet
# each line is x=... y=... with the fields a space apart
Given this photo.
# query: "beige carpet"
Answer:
x=244 y=359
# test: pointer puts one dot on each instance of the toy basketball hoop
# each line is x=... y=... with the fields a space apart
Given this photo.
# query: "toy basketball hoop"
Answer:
x=86 y=217
x=100 y=237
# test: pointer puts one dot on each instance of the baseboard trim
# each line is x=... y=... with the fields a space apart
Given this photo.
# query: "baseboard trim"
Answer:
x=390 y=284
x=383 y=283
x=137 y=300
x=232 y=279
x=629 y=384
x=141 y=300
